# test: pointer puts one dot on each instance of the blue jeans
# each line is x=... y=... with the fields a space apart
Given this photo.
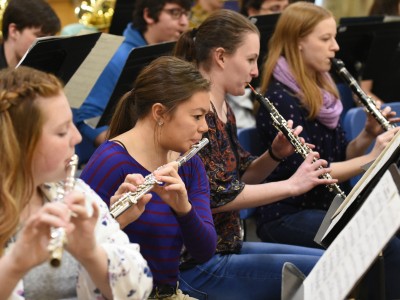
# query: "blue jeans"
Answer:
x=294 y=229
x=300 y=229
x=254 y=273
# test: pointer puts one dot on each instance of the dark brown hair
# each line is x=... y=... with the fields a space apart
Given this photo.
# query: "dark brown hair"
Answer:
x=167 y=80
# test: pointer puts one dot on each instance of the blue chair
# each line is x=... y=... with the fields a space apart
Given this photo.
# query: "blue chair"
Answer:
x=232 y=4
x=346 y=96
x=249 y=140
x=354 y=121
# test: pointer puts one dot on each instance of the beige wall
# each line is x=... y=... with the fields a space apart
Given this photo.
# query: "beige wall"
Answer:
x=348 y=8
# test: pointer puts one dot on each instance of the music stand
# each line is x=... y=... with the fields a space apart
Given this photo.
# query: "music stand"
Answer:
x=137 y=59
x=60 y=55
x=355 y=41
x=383 y=65
x=123 y=11
x=360 y=20
x=266 y=26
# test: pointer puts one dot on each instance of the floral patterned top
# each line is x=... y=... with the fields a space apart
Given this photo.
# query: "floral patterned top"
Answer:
x=129 y=275
x=225 y=161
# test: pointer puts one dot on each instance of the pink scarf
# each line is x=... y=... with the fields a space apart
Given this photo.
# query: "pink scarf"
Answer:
x=331 y=108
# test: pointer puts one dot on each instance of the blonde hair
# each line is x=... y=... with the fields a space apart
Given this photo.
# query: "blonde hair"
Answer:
x=21 y=126
x=297 y=21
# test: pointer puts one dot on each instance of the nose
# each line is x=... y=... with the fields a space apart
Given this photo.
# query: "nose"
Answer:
x=184 y=20
x=335 y=45
x=76 y=137
x=203 y=126
x=254 y=71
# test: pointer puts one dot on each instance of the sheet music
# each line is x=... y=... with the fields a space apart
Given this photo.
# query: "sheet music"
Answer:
x=357 y=245
x=81 y=83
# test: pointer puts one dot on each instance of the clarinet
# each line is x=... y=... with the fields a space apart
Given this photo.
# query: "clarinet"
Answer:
x=57 y=234
x=366 y=101
x=281 y=124
x=131 y=198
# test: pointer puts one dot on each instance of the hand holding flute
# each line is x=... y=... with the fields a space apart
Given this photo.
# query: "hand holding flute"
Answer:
x=165 y=181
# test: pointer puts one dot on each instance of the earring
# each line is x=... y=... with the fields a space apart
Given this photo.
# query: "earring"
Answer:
x=160 y=123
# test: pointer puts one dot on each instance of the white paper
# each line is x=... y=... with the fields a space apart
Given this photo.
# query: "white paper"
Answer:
x=357 y=245
x=81 y=83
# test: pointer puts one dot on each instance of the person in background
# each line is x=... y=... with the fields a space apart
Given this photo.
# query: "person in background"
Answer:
x=202 y=9
x=24 y=21
x=262 y=7
x=38 y=140
x=225 y=48
x=153 y=22
x=382 y=83
x=385 y=7
x=243 y=106
x=296 y=80
x=161 y=118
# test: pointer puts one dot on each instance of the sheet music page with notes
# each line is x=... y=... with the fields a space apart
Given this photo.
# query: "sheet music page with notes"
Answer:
x=81 y=83
x=358 y=244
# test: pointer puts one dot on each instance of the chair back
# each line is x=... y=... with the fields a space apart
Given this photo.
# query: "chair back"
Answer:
x=249 y=140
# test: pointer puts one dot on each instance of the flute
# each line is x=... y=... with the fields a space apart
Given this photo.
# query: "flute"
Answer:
x=365 y=100
x=281 y=124
x=57 y=234
x=131 y=198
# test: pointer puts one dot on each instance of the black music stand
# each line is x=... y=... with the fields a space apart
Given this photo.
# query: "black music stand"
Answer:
x=338 y=272
x=60 y=55
x=383 y=65
x=137 y=59
x=340 y=214
x=355 y=41
x=266 y=26
x=123 y=11
x=360 y=20
x=325 y=238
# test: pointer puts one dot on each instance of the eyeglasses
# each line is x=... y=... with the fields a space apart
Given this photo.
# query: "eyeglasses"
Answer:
x=176 y=13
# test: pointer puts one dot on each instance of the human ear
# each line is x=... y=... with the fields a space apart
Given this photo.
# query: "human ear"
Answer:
x=12 y=30
x=146 y=16
x=219 y=55
x=158 y=112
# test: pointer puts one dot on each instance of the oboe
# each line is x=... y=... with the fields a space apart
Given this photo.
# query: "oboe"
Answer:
x=365 y=100
x=57 y=234
x=131 y=198
x=281 y=124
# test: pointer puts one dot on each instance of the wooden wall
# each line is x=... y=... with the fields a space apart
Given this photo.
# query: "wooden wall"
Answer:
x=65 y=10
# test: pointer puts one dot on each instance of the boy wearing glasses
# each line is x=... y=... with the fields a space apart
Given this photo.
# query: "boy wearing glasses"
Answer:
x=154 y=21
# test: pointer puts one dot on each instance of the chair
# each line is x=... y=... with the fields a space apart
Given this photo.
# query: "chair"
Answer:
x=354 y=121
x=249 y=140
x=346 y=96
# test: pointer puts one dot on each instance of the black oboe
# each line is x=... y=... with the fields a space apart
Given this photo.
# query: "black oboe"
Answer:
x=281 y=124
x=365 y=100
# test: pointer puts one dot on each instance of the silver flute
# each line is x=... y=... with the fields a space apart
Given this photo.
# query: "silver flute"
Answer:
x=365 y=100
x=281 y=124
x=58 y=237
x=131 y=198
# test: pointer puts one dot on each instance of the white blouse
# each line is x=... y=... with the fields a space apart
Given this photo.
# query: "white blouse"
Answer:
x=129 y=274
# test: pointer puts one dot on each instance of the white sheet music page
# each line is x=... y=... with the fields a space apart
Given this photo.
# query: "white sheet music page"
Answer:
x=357 y=245
x=81 y=83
